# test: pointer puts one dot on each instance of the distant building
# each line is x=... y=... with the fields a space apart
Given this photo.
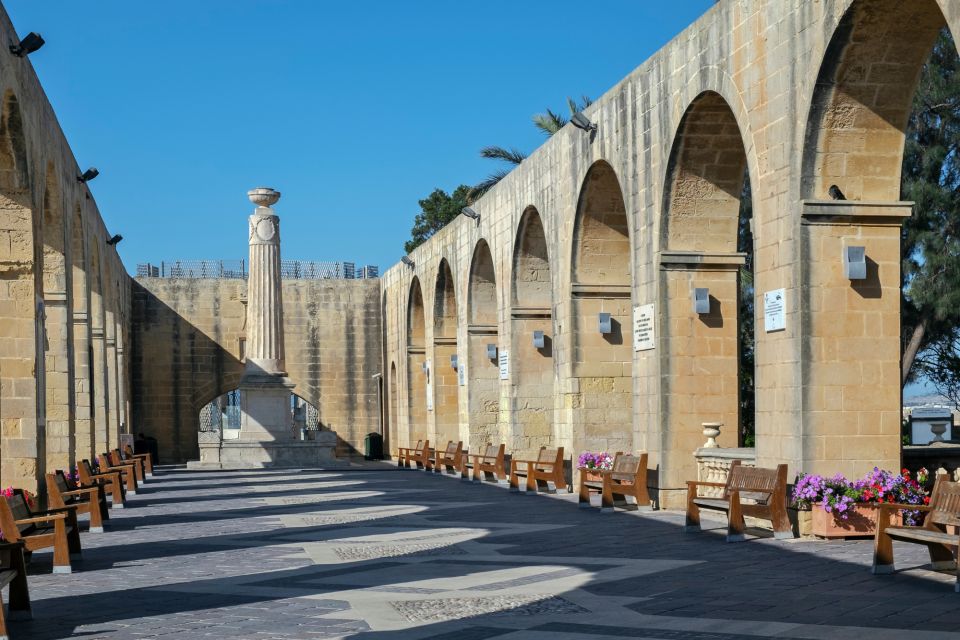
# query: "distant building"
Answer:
x=368 y=271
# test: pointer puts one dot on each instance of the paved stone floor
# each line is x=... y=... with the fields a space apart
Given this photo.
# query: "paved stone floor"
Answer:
x=399 y=554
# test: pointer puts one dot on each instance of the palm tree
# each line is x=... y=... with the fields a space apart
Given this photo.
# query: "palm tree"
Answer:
x=548 y=123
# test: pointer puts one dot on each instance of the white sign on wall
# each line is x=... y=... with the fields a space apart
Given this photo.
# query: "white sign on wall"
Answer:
x=644 y=335
x=461 y=374
x=504 y=359
x=774 y=310
x=429 y=374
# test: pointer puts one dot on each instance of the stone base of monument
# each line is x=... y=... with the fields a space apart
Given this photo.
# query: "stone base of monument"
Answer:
x=273 y=454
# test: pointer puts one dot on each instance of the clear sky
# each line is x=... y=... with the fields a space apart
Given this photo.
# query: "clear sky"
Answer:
x=354 y=110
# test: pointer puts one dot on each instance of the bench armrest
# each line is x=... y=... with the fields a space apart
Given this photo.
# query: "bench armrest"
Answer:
x=47 y=518
x=897 y=506
x=80 y=492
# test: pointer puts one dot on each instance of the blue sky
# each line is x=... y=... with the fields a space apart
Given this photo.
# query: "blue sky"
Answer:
x=354 y=110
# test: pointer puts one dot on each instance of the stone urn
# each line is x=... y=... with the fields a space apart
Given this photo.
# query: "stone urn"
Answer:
x=711 y=430
x=264 y=196
x=938 y=429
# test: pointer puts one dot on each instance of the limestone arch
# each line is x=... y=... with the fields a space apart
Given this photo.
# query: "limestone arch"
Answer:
x=418 y=374
x=532 y=366
x=14 y=166
x=699 y=367
x=445 y=376
x=601 y=416
x=483 y=335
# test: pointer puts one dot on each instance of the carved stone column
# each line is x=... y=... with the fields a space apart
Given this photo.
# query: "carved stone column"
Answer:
x=265 y=303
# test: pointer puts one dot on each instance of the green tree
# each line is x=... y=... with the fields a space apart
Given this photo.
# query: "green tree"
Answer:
x=931 y=236
x=548 y=123
x=436 y=210
x=746 y=334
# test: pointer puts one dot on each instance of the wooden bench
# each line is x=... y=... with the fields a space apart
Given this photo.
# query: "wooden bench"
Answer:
x=56 y=528
x=449 y=459
x=127 y=472
x=943 y=511
x=146 y=458
x=13 y=572
x=548 y=467
x=420 y=457
x=109 y=480
x=490 y=461
x=90 y=500
x=404 y=452
x=766 y=487
x=116 y=459
x=628 y=477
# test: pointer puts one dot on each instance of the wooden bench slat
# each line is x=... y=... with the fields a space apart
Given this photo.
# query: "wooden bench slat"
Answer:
x=923 y=535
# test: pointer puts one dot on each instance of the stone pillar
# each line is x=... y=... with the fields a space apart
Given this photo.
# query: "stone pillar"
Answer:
x=265 y=305
x=59 y=375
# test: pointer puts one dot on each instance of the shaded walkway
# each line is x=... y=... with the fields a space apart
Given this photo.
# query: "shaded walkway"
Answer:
x=384 y=553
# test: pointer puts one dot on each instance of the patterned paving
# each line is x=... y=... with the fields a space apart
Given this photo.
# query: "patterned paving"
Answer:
x=383 y=553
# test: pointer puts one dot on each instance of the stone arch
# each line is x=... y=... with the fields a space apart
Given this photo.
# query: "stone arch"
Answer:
x=531 y=312
x=601 y=416
x=699 y=365
x=863 y=96
x=418 y=376
x=445 y=377
x=14 y=171
x=482 y=331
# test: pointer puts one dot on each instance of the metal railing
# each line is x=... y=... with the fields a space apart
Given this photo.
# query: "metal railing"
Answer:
x=224 y=269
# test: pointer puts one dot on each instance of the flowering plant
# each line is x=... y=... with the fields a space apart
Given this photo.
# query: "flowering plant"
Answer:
x=838 y=495
x=9 y=492
x=72 y=478
x=595 y=461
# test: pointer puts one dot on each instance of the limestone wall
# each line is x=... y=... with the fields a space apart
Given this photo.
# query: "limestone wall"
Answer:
x=187 y=351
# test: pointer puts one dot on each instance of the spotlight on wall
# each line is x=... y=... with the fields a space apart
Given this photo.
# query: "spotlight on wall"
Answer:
x=605 y=324
x=114 y=240
x=470 y=213
x=855 y=263
x=424 y=367
x=538 y=339
x=453 y=362
x=835 y=193
x=581 y=121
x=88 y=175
x=407 y=261
x=701 y=300
x=492 y=351
x=30 y=43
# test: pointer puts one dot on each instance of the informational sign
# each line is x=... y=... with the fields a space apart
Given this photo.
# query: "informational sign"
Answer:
x=461 y=374
x=429 y=373
x=774 y=310
x=504 y=359
x=644 y=327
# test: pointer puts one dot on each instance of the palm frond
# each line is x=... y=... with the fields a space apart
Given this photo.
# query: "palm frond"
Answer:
x=500 y=153
x=482 y=187
x=577 y=107
x=549 y=122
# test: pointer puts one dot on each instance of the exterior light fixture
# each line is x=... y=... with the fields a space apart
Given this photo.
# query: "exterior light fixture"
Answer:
x=835 y=193
x=407 y=261
x=701 y=300
x=88 y=175
x=605 y=323
x=114 y=240
x=453 y=362
x=30 y=43
x=581 y=121
x=492 y=351
x=538 y=339
x=470 y=213
x=423 y=366
x=855 y=263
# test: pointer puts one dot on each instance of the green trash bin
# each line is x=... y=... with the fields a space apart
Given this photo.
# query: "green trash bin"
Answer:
x=373 y=447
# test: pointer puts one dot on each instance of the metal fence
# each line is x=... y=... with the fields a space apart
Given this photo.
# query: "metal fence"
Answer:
x=223 y=269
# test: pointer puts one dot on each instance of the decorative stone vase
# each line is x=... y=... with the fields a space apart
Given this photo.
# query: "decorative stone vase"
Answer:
x=711 y=430
x=861 y=521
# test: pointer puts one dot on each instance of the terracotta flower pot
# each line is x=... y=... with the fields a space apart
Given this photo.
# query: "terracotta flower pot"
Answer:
x=861 y=521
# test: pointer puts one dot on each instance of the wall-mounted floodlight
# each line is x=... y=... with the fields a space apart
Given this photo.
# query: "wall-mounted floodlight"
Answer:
x=470 y=213
x=407 y=261
x=581 y=121
x=30 y=43
x=453 y=362
x=605 y=324
x=114 y=240
x=492 y=351
x=835 y=193
x=538 y=339
x=423 y=367
x=855 y=263
x=701 y=300
x=88 y=175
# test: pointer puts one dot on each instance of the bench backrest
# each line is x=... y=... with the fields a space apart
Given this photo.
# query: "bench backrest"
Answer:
x=453 y=447
x=945 y=502
x=493 y=452
x=757 y=483
x=14 y=508
x=86 y=473
x=626 y=466
x=548 y=459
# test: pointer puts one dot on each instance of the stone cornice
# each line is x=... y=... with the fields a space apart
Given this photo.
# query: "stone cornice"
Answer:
x=482 y=329
x=583 y=290
x=855 y=212
x=445 y=342
x=701 y=260
x=520 y=313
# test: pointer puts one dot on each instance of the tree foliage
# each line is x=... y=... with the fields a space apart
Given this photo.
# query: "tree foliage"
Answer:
x=436 y=210
x=931 y=236
x=746 y=332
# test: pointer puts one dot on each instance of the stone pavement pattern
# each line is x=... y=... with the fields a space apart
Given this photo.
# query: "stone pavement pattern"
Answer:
x=400 y=554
